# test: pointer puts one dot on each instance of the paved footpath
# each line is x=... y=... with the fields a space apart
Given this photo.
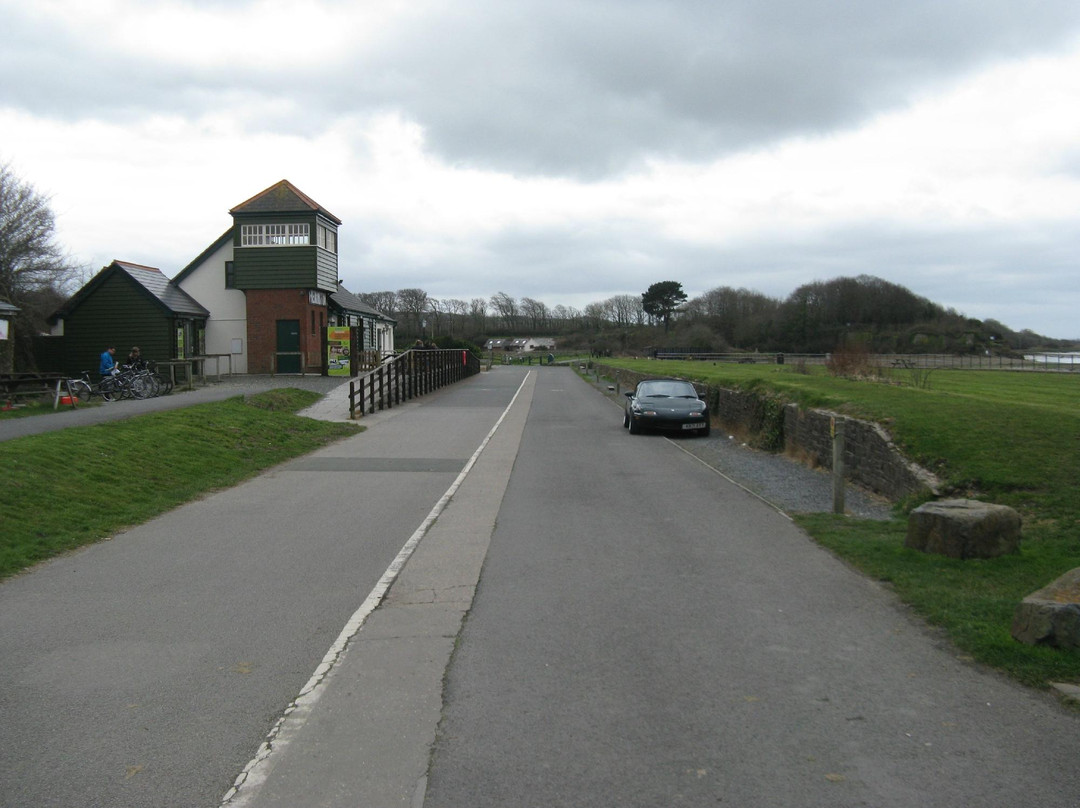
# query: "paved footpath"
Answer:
x=147 y=670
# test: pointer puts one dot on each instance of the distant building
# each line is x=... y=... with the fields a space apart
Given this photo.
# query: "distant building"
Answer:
x=520 y=344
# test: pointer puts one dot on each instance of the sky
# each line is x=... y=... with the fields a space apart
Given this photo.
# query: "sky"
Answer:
x=573 y=150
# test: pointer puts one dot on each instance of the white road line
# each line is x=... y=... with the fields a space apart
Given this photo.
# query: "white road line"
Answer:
x=255 y=773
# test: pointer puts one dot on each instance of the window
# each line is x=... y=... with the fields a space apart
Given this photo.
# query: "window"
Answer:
x=230 y=275
x=327 y=238
x=275 y=235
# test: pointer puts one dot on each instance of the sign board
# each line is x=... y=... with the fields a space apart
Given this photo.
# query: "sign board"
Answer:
x=337 y=351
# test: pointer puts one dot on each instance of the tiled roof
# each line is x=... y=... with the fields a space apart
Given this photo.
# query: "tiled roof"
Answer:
x=168 y=294
x=172 y=296
x=282 y=197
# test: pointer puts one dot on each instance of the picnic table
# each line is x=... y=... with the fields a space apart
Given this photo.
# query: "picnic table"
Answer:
x=21 y=385
x=173 y=364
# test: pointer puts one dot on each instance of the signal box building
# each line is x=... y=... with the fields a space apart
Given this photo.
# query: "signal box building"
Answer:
x=267 y=282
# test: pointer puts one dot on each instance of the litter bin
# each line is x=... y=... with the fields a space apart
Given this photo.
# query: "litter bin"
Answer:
x=779 y=359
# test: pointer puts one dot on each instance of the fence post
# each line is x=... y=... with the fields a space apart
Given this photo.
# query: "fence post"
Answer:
x=836 y=426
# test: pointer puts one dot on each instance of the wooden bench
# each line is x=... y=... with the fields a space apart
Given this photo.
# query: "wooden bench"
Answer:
x=34 y=385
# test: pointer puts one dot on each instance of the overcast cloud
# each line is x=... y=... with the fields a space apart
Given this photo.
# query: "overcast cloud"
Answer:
x=573 y=150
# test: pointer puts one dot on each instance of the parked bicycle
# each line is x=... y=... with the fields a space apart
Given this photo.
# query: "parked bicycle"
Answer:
x=127 y=381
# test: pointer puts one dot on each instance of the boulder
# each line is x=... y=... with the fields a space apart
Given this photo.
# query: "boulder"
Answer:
x=964 y=528
x=1051 y=616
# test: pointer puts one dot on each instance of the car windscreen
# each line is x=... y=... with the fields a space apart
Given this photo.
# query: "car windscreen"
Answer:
x=667 y=390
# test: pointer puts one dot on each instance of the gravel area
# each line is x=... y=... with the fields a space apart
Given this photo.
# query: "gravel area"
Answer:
x=785 y=483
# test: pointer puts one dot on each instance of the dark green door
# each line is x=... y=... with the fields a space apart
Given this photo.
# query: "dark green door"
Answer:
x=288 y=346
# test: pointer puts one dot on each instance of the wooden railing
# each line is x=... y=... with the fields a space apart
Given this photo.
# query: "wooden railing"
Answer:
x=412 y=374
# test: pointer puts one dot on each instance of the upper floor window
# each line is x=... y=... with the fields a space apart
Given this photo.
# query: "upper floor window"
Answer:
x=327 y=238
x=275 y=235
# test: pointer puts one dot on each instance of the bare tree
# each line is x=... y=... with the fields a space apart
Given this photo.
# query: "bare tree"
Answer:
x=536 y=311
x=627 y=310
x=507 y=308
x=596 y=314
x=478 y=309
x=34 y=271
x=413 y=304
x=436 y=309
x=383 y=302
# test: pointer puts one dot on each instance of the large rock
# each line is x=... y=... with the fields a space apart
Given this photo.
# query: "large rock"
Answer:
x=964 y=528
x=1051 y=616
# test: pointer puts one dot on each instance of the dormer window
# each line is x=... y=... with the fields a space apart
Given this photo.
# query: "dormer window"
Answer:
x=275 y=235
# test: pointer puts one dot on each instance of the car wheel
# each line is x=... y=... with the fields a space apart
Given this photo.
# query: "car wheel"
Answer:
x=625 y=419
x=635 y=427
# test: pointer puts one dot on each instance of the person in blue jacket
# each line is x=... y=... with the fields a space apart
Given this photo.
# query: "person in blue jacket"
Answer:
x=107 y=362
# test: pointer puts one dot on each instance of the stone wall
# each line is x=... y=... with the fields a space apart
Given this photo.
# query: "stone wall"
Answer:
x=871 y=459
x=870 y=456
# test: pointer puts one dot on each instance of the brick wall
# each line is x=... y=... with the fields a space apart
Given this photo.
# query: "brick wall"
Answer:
x=264 y=308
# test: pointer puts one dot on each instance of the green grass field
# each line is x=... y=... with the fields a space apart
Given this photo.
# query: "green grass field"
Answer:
x=65 y=489
x=1006 y=437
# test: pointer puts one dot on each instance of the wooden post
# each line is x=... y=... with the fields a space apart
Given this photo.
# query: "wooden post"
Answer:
x=837 y=429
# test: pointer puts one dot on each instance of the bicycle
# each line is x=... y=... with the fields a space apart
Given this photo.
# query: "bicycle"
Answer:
x=83 y=389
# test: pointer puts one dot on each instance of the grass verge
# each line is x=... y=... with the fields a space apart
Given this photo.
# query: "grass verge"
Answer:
x=69 y=488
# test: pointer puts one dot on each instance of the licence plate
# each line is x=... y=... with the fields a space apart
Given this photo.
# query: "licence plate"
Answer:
x=693 y=426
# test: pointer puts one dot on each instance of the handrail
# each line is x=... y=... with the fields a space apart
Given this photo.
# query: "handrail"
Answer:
x=409 y=375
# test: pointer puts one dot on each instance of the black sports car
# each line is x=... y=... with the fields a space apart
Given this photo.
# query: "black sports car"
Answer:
x=668 y=404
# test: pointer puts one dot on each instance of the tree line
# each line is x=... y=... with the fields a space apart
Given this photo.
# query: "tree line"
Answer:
x=817 y=317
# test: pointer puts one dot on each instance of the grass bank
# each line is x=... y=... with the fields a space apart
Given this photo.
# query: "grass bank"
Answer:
x=1006 y=437
x=69 y=488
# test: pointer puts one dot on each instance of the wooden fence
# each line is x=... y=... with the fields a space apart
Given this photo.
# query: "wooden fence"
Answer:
x=1050 y=362
x=413 y=373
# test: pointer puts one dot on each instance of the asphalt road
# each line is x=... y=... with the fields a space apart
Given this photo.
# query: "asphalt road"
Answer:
x=645 y=634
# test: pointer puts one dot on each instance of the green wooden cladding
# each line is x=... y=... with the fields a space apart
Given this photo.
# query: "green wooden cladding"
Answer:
x=286 y=267
x=119 y=313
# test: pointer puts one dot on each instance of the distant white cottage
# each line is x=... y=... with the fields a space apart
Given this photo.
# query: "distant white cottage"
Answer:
x=520 y=344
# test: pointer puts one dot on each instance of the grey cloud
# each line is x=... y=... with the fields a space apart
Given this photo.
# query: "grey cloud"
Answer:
x=572 y=88
x=587 y=88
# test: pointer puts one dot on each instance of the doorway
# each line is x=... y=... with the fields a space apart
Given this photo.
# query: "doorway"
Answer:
x=288 y=346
